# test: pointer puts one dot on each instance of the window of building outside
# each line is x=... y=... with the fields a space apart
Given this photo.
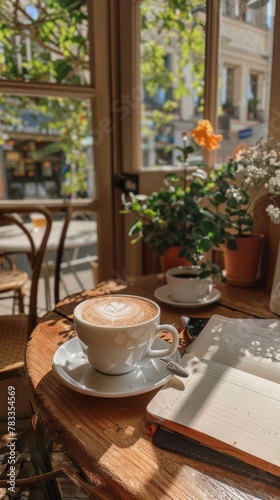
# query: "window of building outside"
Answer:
x=244 y=71
x=45 y=140
x=245 y=62
x=248 y=11
x=230 y=85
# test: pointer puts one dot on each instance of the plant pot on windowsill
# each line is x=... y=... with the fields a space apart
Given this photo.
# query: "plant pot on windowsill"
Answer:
x=242 y=265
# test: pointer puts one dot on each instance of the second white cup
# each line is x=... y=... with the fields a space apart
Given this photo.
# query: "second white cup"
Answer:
x=185 y=285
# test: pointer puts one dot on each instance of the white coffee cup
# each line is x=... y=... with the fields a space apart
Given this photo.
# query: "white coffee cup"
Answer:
x=185 y=285
x=116 y=332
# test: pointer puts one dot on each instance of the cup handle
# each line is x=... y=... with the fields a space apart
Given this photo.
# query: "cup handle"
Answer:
x=162 y=353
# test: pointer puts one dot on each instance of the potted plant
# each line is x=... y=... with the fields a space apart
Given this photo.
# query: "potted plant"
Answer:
x=176 y=216
x=239 y=188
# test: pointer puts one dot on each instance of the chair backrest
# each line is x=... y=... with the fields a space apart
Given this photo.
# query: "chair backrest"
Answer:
x=59 y=253
x=83 y=239
x=35 y=244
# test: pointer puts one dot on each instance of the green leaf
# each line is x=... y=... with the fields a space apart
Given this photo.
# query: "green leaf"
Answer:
x=232 y=203
x=149 y=213
x=205 y=245
x=72 y=4
x=62 y=69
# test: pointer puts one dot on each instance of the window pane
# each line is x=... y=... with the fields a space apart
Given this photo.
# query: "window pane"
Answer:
x=245 y=54
x=44 y=41
x=172 y=72
x=45 y=148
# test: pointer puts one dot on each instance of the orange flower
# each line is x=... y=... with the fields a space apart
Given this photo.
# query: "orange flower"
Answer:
x=204 y=135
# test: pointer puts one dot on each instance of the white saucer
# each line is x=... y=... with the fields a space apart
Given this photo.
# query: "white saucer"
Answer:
x=162 y=293
x=75 y=372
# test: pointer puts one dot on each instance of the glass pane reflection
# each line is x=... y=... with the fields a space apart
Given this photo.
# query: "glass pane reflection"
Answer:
x=45 y=148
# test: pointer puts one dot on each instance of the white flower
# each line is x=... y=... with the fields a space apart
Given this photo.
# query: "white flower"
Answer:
x=254 y=175
x=234 y=193
x=259 y=166
x=274 y=214
x=274 y=183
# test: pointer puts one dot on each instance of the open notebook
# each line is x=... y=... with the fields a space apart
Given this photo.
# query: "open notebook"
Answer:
x=231 y=400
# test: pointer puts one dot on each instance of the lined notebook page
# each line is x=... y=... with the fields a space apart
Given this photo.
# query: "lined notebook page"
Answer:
x=241 y=344
x=237 y=409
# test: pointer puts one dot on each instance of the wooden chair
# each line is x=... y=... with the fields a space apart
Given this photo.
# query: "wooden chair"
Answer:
x=35 y=476
x=15 y=329
x=15 y=408
x=13 y=283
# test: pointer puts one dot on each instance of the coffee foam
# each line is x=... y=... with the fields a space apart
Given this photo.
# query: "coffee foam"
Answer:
x=117 y=311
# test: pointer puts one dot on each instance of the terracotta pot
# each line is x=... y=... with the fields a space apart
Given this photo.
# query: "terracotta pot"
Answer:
x=171 y=259
x=243 y=264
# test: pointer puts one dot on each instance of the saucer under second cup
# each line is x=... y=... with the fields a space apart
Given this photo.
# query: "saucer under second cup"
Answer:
x=163 y=294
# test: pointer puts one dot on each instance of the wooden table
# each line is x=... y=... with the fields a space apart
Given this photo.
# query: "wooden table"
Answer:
x=108 y=438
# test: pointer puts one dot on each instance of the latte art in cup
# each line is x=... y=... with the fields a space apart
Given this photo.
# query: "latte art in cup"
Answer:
x=124 y=311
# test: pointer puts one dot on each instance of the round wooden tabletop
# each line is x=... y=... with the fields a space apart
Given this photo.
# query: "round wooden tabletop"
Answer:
x=109 y=438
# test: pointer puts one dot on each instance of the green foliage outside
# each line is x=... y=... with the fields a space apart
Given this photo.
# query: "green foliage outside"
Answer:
x=171 y=26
